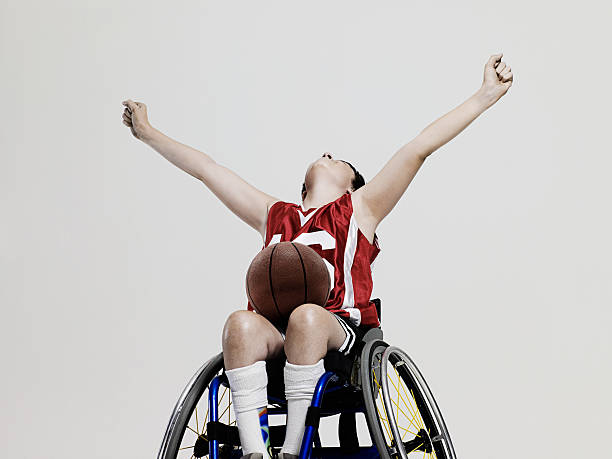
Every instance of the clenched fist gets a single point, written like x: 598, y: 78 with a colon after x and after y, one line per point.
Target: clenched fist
x: 135, y: 117
x: 497, y: 78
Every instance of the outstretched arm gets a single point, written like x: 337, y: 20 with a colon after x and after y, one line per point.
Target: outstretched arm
x: 379, y: 195
x: 247, y: 202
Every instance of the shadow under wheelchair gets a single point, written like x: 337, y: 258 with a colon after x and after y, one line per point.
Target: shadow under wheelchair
x: 380, y: 381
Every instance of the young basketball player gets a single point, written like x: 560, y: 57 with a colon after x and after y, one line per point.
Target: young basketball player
x: 338, y: 219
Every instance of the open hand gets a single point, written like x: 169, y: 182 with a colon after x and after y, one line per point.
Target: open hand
x: 135, y: 117
x: 497, y: 78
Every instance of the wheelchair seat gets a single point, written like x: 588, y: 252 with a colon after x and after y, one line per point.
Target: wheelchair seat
x: 353, y: 384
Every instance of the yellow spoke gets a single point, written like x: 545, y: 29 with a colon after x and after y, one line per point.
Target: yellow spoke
x: 410, y: 419
x: 406, y: 431
x: 420, y: 444
x: 407, y: 417
x: 400, y: 427
x: 375, y: 380
x: 206, y: 418
x: 385, y: 423
x: 380, y: 416
x: 197, y: 423
x: 222, y: 395
x: 419, y: 419
x: 187, y: 447
x: 221, y: 415
x: 424, y: 453
x: 409, y: 403
x: 194, y: 431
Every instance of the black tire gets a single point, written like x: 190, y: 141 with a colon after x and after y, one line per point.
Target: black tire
x: 185, y: 406
x: 432, y: 436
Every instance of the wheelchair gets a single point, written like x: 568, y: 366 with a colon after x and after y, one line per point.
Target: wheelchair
x: 380, y: 381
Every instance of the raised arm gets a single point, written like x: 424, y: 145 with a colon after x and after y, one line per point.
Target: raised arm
x: 377, y: 197
x: 247, y: 202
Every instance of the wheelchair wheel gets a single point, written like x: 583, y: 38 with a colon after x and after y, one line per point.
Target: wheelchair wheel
x: 186, y: 435
x: 403, y: 417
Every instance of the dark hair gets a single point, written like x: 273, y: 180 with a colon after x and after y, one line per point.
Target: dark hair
x: 357, y: 182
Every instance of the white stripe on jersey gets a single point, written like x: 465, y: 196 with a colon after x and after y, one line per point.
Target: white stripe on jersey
x: 349, y: 256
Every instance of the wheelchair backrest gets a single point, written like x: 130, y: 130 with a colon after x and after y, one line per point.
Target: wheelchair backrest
x: 377, y: 304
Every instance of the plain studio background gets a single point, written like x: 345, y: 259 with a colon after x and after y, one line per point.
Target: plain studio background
x: 118, y: 269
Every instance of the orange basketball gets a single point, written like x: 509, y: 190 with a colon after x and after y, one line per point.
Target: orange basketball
x: 284, y: 276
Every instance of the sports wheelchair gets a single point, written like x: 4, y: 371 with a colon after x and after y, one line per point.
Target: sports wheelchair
x: 381, y: 381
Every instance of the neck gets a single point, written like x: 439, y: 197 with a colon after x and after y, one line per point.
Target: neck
x: 319, y: 197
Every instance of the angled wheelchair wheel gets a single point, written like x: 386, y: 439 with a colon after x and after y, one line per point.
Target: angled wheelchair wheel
x: 403, y: 417
x: 186, y: 435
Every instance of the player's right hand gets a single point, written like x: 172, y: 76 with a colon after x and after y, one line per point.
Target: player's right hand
x: 135, y: 117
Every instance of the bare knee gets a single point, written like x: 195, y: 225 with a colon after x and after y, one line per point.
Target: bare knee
x: 307, y: 334
x: 239, y: 325
x: 306, y: 318
x: 247, y: 338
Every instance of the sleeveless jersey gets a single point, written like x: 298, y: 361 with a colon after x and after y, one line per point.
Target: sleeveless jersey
x: 332, y: 232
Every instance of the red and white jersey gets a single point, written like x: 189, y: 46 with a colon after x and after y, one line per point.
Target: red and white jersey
x: 331, y: 230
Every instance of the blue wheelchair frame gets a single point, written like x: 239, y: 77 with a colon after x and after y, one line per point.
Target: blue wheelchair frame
x: 311, y: 428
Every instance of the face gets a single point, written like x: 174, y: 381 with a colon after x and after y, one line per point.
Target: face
x: 336, y: 169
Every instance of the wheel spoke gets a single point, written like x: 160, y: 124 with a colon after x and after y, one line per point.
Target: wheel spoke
x: 224, y: 411
x: 378, y: 410
x: 197, y: 423
x: 416, y: 409
x: 385, y: 424
x: 414, y: 416
x: 409, y: 404
x: 409, y: 419
x: 205, y: 418
x: 222, y: 395
x: 413, y: 450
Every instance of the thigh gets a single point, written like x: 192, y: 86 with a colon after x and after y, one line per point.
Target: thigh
x: 313, y: 323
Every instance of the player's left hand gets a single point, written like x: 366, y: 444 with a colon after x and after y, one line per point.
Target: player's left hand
x: 497, y: 78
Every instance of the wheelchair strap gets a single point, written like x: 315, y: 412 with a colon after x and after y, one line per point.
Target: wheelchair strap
x: 229, y: 435
x: 223, y: 433
x: 313, y: 416
x: 347, y: 433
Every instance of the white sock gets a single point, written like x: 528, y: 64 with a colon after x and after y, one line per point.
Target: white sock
x: 300, y: 383
x: 250, y: 399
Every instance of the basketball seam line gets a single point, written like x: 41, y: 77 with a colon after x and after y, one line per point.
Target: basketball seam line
x: 271, y: 286
x: 304, y: 271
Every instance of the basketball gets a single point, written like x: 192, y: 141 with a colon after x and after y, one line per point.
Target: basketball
x: 284, y: 276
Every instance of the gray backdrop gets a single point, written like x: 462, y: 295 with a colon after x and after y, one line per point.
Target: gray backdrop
x: 118, y: 269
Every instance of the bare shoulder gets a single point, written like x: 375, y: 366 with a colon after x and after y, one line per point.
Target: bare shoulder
x: 366, y: 222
